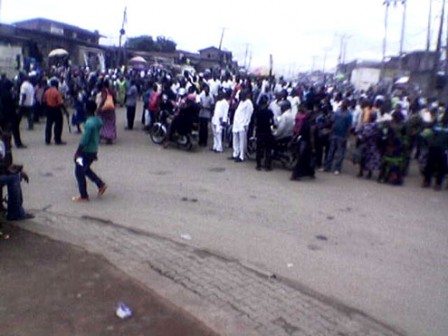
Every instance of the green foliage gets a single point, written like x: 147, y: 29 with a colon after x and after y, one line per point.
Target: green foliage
x: 146, y: 43
x: 165, y: 44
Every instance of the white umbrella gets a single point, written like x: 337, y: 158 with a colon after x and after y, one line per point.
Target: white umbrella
x: 58, y: 52
x: 402, y: 80
x: 188, y: 68
x: 137, y: 59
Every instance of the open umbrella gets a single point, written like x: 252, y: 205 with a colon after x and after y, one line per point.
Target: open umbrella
x: 260, y: 71
x: 137, y: 59
x: 58, y: 52
x: 187, y: 68
x: 402, y: 80
x: 138, y: 66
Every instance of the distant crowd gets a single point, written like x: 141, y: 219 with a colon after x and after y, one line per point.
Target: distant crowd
x: 313, y: 124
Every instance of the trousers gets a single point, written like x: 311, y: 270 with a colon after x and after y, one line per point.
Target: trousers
x: 239, y: 144
x: 83, y: 171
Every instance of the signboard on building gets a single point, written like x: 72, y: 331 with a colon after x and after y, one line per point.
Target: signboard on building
x: 363, y: 78
x: 11, y: 59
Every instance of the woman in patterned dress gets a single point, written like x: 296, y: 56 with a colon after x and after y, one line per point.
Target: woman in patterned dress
x: 371, y: 155
x: 106, y: 112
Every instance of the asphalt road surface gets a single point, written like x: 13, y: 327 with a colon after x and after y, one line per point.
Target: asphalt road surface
x: 380, y: 249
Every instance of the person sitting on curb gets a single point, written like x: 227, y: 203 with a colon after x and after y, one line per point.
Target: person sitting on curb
x: 87, y: 153
x: 11, y: 175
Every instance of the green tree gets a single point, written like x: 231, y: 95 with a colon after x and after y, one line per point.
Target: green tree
x: 143, y: 43
x: 165, y: 44
x: 146, y: 43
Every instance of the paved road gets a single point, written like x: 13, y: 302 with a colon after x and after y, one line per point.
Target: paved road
x: 62, y: 290
x: 380, y: 250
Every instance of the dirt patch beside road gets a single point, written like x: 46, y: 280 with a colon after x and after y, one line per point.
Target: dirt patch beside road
x: 51, y: 288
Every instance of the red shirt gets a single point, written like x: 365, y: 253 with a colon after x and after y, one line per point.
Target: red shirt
x: 53, y: 97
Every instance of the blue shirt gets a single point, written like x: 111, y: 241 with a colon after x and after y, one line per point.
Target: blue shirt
x: 342, y: 124
x: 132, y: 96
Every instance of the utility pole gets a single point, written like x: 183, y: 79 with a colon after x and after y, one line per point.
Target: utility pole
x: 343, y: 52
x: 341, y: 47
x: 222, y: 37
x: 250, y: 60
x: 428, y: 39
x: 121, y: 51
x: 386, y: 22
x: 403, y: 28
x: 439, y: 36
x: 446, y: 49
x: 326, y: 51
x: 439, y: 44
x: 245, y: 55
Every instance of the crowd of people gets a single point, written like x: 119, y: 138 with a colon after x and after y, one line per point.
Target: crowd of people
x: 316, y: 122
x: 388, y: 131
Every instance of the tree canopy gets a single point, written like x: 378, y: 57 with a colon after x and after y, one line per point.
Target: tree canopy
x: 147, y: 43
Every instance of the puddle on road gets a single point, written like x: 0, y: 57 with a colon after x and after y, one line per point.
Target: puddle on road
x: 330, y: 217
x: 47, y: 175
x: 322, y: 237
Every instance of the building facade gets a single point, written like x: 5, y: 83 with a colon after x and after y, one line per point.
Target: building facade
x: 28, y: 43
x: 36, y: 38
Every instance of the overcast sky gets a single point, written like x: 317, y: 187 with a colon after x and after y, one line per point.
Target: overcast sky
x: 298, y: 33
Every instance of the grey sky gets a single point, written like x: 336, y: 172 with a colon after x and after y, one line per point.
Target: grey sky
x: 296, y: 32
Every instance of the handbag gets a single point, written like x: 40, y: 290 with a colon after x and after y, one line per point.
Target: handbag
x: 108, y: 103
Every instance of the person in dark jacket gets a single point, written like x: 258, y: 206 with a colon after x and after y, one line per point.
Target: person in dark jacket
x: 264, y: 120
x: 436, y: 164
x: 304, y: 130
x: 10, y: 118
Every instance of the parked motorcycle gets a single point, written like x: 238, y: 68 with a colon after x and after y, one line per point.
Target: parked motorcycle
x: 284, y: 151
x: 159, y: 133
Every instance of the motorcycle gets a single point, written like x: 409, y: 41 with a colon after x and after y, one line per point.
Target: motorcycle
x: 284, y: 151
x: 159, y: 133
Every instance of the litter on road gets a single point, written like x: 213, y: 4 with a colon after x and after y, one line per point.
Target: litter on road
x: 123, y: 311
x: 185, y: 236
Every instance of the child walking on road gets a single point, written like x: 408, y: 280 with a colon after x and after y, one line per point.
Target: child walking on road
x: 87, y: 153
